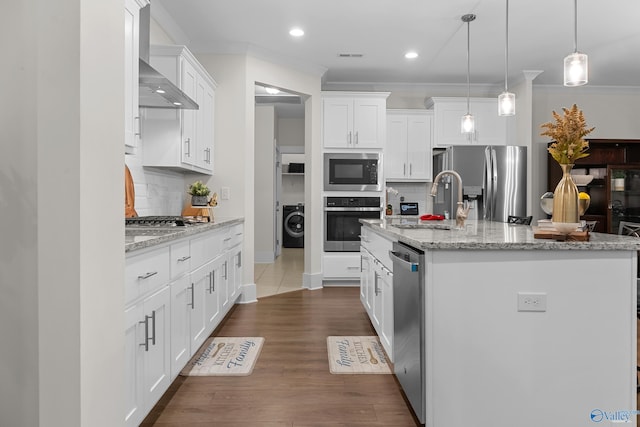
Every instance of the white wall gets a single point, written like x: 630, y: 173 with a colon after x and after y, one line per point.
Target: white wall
x: 236, y: 76
x: 62, y: 263
x: 291, y: 132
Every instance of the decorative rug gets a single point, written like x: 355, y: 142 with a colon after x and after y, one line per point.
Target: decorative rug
x: 357, y: 355
x: 225, y: 356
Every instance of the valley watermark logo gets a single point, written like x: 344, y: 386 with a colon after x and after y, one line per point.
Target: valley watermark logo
x: 598, y: 416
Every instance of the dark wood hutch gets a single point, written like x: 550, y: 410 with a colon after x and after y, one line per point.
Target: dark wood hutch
x: 609, y: 204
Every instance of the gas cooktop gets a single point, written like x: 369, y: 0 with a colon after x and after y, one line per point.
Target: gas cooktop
x: 160, y: 221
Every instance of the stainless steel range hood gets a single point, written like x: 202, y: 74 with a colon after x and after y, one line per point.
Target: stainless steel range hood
x: 156, y: 91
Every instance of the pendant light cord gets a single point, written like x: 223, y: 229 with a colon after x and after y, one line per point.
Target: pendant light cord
x: 575, y: 25
x: 506, y: 48
x: 468, y: 65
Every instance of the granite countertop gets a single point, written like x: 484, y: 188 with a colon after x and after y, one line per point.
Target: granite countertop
x: 136, y: 238
x: 487, y: 235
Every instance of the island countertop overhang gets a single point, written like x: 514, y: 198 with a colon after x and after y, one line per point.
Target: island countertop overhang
x: 488, y: 235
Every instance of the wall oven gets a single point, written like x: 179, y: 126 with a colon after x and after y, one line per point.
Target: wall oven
x: 352, y: 171
x: 342, y: 221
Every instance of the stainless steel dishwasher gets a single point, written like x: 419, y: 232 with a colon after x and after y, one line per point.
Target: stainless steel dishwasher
x: 408, y: 321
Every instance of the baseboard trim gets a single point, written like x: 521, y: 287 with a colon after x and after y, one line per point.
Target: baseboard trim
x: 248, y: 294
x: 264, y: 257
x: 312, y: 281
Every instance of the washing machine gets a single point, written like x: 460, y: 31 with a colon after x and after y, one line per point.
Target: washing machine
x: 293, y: 226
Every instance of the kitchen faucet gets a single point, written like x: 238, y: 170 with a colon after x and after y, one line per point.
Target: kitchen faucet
x: 461, y: 211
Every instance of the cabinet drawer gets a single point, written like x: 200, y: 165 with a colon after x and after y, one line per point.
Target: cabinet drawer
x: 180, y: 259
x: 234, y: 235
x: 206, y: 248
x: 378, y: 246
x: 345, y: 267
x: 146, y: 272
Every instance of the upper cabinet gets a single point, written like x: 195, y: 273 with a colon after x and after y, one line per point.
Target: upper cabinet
x: 181, y: 139
x: 407, y: 154
x: 131, y: 54
x: 491, y: 129
x: 353, y: 119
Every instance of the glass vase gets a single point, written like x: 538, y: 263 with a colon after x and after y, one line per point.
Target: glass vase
x: 565, y: 198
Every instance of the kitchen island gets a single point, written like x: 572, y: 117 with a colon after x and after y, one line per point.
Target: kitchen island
x: 521, y: 331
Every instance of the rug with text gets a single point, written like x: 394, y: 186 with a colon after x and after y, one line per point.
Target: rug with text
x: 224, y: 356
x: 357, y: 355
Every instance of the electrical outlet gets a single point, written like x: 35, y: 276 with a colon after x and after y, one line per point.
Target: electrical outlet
x: 532, y: 301
x: 225, y: 193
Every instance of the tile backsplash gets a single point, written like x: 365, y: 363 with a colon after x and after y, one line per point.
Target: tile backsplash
x: 412, y: 192
x: 158, y: 192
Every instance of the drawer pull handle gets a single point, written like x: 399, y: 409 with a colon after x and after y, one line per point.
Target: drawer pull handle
x: 351, y: 267
x: 184, y: 258
x: 146, y: 276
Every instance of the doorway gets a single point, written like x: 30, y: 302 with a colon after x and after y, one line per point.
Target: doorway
x: 279, y: 187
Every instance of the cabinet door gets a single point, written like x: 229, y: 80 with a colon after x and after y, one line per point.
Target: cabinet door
x: 235, y: 272
x: 224, y: 285
x: 212, y: 293
x: 205, y: 99
x: 180, y: 330
x: 337, y: 122
x: 447, y: 116
x: 419, y: 146
x: 157, y: 359
x: 386, y: 331
x: 188, y: 84
x: 395, y: 153
x: 376, y: 311
x: 369, y: 123
x: 133, y: 396
x: 491, y: 129
x: 200, y: 280
x: 365, y: 267
x: 131, y: 55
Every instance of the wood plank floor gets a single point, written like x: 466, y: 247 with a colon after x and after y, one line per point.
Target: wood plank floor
x: 291, y: 384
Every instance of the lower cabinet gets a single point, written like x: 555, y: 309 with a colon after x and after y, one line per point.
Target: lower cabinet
x: 172, y: 310
x: 376, y: 286
x: 147, y: 351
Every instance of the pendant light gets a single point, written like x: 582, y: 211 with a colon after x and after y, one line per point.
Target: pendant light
x: 576, y: 72
x: 467, y: 125
x: 506, y: 100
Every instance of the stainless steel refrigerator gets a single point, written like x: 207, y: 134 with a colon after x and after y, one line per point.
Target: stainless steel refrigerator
x: 494, y: 181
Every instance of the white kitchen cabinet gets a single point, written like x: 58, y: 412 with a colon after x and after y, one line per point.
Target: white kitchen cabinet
x: 365, y: 271
x: 407, y: 153
x: 131, y: 71
x: 386, y: 305
x: 181, y: 139
x: 341, y: 265
x: 175, y: 296
x: 147, y: 350
x: 491, y: 129
x: 353, y: 119
x: 376, y: 285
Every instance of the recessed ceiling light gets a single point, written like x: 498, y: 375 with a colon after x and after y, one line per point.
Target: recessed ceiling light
x: 411, y: 55
x: 296, y: 32
x: 160, y: 90
x: 177, y: 103
x: 271, y: 90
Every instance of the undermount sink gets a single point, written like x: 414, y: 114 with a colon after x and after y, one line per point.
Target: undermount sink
x: 434, y: 226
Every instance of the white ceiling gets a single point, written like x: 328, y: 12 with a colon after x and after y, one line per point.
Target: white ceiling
x: 540, y: 35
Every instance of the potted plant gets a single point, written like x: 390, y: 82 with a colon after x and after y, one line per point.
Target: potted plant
x: 199, y: 192
x: 617, y: 179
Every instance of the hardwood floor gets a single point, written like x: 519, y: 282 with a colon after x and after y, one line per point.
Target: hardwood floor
x: 291, y: 384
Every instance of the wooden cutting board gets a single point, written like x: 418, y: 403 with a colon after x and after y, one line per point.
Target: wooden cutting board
x: 550, y: 233
x: 129, y: 195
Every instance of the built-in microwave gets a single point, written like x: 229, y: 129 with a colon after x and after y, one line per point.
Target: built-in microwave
x: 352, y: 171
